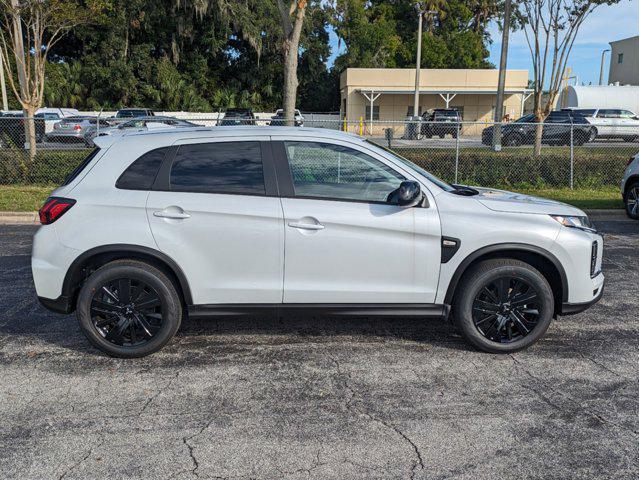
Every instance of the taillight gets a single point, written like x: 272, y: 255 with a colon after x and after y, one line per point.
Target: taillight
x: 77, y: 127
x: 54, y: 208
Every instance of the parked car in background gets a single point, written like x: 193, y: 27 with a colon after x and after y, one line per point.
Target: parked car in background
x: 441, y: 122
x: 630, y: 188
x: 76, y: 130
x: 277, y: 120
x: 190, y: 221
x: 238, y: 116
x: 12, y: 129
x: 53, y: 115
x: 134, y: 112
x: 556, y: 130
x: 141, y: 124
x: 611, y: 122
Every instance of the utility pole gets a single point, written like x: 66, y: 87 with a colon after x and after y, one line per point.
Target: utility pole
x: 420, y: 14
x: 499, y: 107
x: 603, y: 54
x: 3, y: 87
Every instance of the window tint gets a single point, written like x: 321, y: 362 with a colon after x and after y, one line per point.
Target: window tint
x: 331, y: 171
x: 222, y: 167
x: 141, y: 174
x: 627, y: 114
x: 608, y: 114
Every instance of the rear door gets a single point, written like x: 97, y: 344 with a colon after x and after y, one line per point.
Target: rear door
x: 343, y: 243
x: 606, y: 121
x: 219, y: 217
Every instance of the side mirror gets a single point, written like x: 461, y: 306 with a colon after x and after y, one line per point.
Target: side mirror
x: 408, y: 194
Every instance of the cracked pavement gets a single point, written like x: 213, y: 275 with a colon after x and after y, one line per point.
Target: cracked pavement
x: 321, y: 398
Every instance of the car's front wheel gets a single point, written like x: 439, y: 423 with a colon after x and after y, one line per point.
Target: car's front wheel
x: 503, y: 305
x: 129, y: 309
x: 631, y: 199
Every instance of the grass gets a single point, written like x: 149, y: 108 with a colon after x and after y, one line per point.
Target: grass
x: 29, y: 198
x: 23, y: 198
x: 602, y: 197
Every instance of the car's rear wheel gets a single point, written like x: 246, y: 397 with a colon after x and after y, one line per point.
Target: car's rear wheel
x: 129, y: 309
x: 512, y: 140
x: 631, y: 199
x: 503, y: 305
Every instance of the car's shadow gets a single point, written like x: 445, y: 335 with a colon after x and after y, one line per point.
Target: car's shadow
x: 36, y: 325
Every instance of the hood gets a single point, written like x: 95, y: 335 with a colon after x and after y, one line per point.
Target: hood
x: 504, y: 201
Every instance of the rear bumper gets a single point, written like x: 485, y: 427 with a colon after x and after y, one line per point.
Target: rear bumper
x: 574, y: 308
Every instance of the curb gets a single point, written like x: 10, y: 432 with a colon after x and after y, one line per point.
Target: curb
x: 19, y: 218
x: 603, y: 214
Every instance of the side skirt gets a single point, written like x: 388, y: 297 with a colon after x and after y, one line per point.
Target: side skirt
x: 339, y: 309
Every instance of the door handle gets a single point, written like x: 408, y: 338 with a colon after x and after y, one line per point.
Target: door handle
x: 307, y: 226
x: 174, y: 215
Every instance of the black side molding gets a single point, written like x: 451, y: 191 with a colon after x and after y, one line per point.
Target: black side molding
x: 450, y: 246
x: 339, y: 309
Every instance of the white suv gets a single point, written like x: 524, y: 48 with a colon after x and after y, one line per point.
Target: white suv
x: 248, y: 220
x: 611, y: 123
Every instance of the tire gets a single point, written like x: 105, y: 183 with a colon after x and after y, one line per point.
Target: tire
x: 631, y: 200
x: 512, y: 141
x: 472, y: 310
x: 133, y: 330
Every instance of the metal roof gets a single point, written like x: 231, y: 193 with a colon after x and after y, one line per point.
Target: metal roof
x: 443, y: 91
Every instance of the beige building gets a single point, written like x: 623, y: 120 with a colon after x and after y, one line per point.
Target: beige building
x: 387, y: 94
x: 624, y: 61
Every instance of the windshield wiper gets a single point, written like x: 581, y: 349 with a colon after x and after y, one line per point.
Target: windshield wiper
x: 464, y: 190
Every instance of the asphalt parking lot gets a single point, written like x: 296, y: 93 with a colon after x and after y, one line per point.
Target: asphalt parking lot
x: 322, y: 398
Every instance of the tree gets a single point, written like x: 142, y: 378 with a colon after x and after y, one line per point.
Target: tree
x: 380, y: 33
x: 551, y: 27
x: 292, y: 22
x: 30, y: 28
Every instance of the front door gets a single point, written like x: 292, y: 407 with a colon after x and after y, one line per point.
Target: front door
x: 220, y: 219
x: 343, y: 243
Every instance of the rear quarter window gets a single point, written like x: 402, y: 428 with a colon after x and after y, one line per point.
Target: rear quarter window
x: 141, y: 174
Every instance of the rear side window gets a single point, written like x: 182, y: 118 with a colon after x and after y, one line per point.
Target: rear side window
x: 83, y: 164
x: 222, y: 167
x: 141, y: 174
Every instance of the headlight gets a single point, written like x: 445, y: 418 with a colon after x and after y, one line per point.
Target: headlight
x: 582, y: 223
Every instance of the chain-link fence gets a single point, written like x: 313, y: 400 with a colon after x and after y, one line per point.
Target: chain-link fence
x: 572, y: 154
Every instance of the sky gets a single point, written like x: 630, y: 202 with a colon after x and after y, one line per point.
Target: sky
x: 605, y: 24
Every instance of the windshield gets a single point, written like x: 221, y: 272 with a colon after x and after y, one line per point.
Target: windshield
x: 526, y: 119
x: 437, y: 181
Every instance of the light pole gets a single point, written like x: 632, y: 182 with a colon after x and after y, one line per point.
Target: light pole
x: 420, y: 14
x: 499, y: 107
x: 603, y: 54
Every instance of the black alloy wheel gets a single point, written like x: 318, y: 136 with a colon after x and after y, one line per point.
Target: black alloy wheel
x: 503, y: 305
x: 506, y: 309
x: 129, y: 308
x: 126, y: 312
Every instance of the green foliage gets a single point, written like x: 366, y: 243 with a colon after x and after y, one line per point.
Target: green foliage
x: 383, y: 34
x: 208, y: 55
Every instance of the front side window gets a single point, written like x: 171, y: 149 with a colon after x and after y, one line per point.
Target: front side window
x: 222, y: 167
x: 322, y: 170
x: 141, y: 174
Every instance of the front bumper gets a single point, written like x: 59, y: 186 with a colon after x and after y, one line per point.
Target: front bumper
x: 574, y: 308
